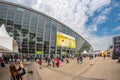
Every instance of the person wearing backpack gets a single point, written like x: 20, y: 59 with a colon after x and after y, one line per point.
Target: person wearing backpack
x: 15, y: 74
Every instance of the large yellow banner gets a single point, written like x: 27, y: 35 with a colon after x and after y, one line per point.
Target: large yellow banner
x: 64, y: 40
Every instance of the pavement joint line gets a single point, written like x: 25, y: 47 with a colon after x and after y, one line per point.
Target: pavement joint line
x: 91, y: 65
x: 38, y: 73
x: 85, y: 71
x: 29, y: 68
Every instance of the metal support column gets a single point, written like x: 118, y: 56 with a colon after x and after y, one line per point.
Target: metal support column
x: 61, y: 52
x: 50, y: 40
x: 43, y: 39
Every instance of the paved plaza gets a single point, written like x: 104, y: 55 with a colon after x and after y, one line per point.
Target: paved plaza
x: 96, y: 69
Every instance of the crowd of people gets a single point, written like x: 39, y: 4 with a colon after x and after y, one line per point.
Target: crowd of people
x: 56, y: 62
x: 51, y: 61
x: 16, y: 60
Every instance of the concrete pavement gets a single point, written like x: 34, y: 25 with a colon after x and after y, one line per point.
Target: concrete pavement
x: 107, y: 69
x: 96, y: 69
x: 5, y: 73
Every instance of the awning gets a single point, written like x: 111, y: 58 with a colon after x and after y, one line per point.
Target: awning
x: 3, y: 49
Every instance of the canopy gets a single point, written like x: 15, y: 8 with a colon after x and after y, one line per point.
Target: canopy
x: 3, y: 49
x: 3, y: 32
x: 7, y: 43
x: 84, y: 52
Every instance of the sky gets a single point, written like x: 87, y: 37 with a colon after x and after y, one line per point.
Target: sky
x: 98, y: 21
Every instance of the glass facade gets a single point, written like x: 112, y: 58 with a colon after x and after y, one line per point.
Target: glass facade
x: 35, y: 31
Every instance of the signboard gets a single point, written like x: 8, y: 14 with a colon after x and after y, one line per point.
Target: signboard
x: 117, y: 45
x: 116, y: 42
x: 63, y: 53
x: 39, y: 52
x: 64, y: 40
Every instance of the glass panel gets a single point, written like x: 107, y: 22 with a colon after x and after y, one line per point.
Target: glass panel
x: 85, y: 46
x: 3, y: 13
x: 18, y: 16
x: 25, y: 45
x: 25, y: 29
x: 26, y: 23
x: 17, y: 25
x: 32, y: 47
x: 47, y: 30
x: 39, y: 40
x: 38, y: 47
x: 32, y: 37
x: 46, y: 47
x: 10, y: 20
x: 34, y: 21
x: 25, y: 33
x: 40, y: 29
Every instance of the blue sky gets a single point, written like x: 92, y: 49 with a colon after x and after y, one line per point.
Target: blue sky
x: 98, y: 21
x: 108, y: 26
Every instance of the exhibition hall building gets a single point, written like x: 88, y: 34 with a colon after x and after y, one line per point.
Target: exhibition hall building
x: 39, y: 34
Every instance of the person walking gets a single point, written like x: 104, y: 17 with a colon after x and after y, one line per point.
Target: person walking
x: 49, y: 61
x: 15, y: 73
x: 2, y: 64
x: 81, y: 59
x: 53, y: 62
x: 58, y: 62
x: 40, y: 63
x: 104, y: 56
x: 78, y: 59
x: 67, y: 60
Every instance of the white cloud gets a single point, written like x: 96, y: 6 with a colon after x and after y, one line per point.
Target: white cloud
x: 29, y: 3
x: 106, y: 11
x: 97, y: 20
x: 97, y: 4
x: 117, y: 28
x: 101, y: 19
x: 118, y: 14
x: 101, y: 43
x: 92, y: 28
x: 73, y: 13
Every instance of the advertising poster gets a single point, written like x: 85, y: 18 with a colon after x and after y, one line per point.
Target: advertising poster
x: 64, y: 40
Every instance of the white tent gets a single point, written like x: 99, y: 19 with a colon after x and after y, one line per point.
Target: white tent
x: 7, y: 42
x: 84, y: 52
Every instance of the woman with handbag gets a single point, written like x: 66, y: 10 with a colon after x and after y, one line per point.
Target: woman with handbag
x: 15, y: 74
